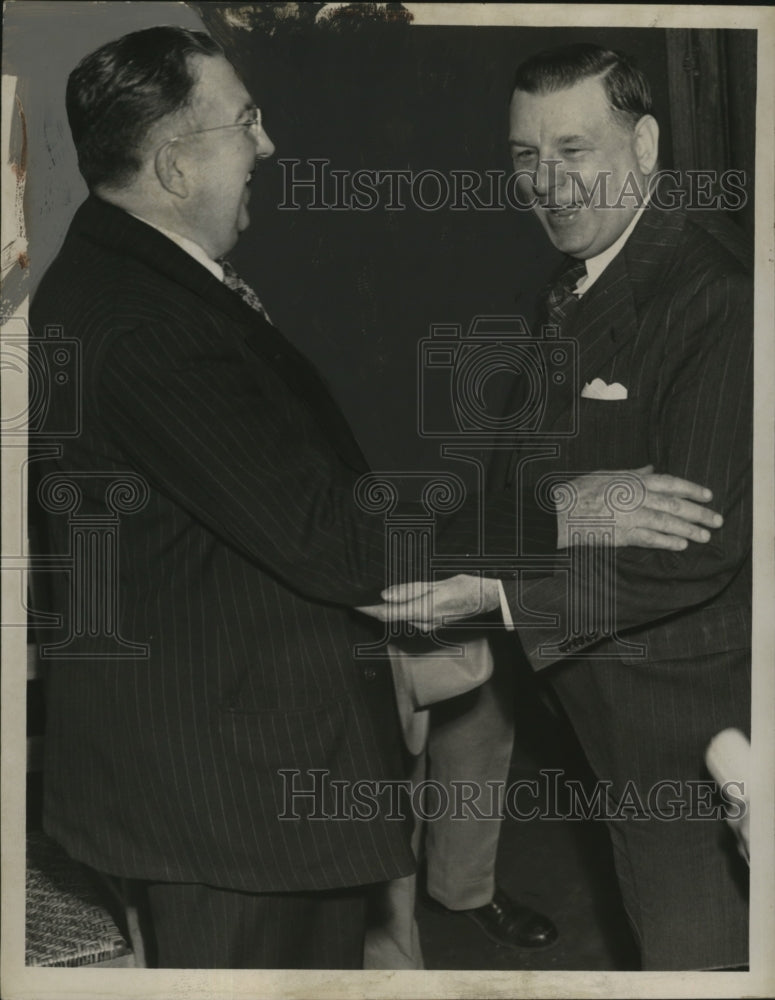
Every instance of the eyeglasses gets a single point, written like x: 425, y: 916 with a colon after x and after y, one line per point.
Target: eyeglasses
x: 254, y: 122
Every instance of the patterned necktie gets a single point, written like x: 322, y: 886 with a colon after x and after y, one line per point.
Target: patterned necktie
x: 232, y: 280
x: 560, y: 300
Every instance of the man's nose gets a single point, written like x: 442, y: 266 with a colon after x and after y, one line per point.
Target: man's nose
x: 264, y: 145
x: 548, y: 177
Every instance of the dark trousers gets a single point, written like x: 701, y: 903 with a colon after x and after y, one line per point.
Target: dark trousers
x: 199, y: 927
x: 645, y: 728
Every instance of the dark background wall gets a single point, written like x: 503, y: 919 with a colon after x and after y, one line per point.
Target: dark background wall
x: 358, y: 290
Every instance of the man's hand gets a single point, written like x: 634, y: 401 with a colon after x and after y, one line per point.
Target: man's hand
x: 432, y: 605
x: 669, y: 517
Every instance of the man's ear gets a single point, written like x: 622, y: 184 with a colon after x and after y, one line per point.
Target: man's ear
x: 647, y: 144
x: 170, y: 170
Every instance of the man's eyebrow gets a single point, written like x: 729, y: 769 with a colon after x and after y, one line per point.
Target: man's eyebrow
x: 561, y: 141
x: 247, y: 106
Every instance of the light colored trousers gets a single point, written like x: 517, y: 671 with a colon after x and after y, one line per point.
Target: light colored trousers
x: 469, y: 740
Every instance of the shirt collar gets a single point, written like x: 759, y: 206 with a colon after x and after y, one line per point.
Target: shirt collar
x: 596, y: 265
x: 191, y: 248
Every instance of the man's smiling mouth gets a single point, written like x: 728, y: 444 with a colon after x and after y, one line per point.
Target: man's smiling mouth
x: 562, y: 211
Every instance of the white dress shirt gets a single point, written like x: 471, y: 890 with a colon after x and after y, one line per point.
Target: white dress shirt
x: 596, y: 265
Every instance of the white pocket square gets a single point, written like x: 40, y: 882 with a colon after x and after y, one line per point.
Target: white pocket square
x: 598, y: 389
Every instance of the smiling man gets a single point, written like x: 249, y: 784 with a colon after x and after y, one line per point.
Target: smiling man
x: 650, y: 652
x: 236, y: 576
x: 659, y: 303
x: 583, y: 162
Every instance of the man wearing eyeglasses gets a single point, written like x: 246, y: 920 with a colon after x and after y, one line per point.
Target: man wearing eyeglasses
x: 221, y: 765
x: 234, y: 575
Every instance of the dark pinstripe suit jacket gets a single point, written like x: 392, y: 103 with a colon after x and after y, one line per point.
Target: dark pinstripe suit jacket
x: 237, y: 574
x: 670, y: 319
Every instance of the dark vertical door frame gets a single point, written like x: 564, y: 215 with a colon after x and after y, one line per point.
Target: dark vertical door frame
x: 712, y: 86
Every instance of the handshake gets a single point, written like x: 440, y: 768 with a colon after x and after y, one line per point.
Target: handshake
x: 670, y: 516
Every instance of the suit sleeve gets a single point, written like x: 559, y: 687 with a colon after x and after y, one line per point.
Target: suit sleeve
x: 701, y: 431
x: 226, y: 440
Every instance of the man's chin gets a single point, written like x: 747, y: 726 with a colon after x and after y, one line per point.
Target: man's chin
x: 581, y: 247
x: 227, y: 244
x: 567, y: 237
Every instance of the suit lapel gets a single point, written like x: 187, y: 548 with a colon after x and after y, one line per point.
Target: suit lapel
x: 114, y: 228
x: 610, y: 315
x: 605, y: 321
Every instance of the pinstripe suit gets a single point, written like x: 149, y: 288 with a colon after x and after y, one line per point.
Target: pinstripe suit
x: 236, y: 573
x: 670, y: 319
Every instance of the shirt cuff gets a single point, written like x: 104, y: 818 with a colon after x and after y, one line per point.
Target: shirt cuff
x: 508, y: 621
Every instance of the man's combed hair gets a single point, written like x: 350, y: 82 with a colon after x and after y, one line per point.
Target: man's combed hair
x: 115, y: 95
x: 557, y: 69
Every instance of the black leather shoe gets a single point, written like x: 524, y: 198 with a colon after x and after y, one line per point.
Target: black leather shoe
x: 505, y: 922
